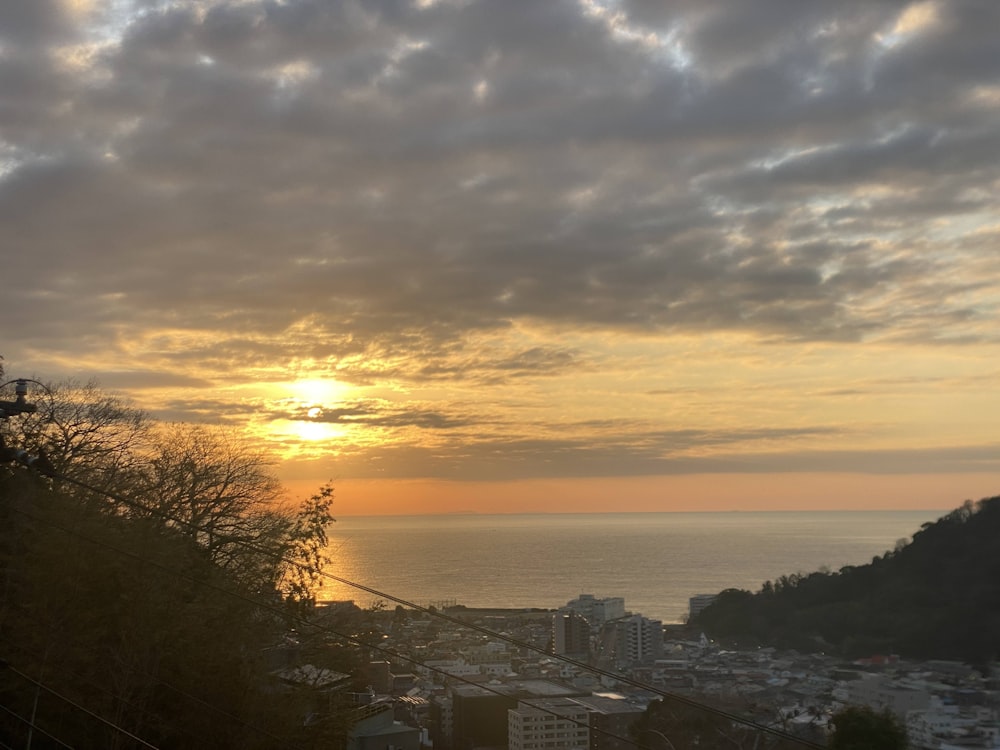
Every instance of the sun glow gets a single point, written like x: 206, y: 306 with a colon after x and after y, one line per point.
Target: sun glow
x: 316, y: 391
x: 312, y: 432
x: 303, y: 438
x: 306, y: 403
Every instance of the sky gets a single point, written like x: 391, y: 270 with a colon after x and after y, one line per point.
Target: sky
x: 509, y: 255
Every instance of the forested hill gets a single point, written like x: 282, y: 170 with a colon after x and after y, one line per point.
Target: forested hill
x: 157, y: 588
x: 936, y: 597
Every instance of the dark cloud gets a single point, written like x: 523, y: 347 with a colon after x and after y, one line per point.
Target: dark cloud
x: 30, y: 22
x: 139, y: 380
x: 343, y: 159
x: 664, y: 454
x: 370, y: 414
x: 423, y: 195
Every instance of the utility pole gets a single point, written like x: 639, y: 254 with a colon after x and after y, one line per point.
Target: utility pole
x: 20, y: 403
x: 9, y: 409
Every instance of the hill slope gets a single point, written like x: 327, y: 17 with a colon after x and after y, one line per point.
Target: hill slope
x: 937, y: 597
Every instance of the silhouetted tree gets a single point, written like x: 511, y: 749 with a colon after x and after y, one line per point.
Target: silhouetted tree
x: 673, y: 725
x: 862, y: 728
x: 936, y: 597
x: 86, y: 433
x: 153, y: 607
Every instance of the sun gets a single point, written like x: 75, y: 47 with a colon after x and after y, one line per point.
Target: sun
x: 317, y: 391
x: 314, y: 432
x: 306, y: 401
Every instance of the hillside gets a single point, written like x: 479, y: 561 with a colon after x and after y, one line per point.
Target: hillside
x: 155, y: 583
x: 936, y: 597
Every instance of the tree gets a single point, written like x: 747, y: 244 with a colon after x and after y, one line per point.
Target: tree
x: 674, y: 725
x: 934, y: 598
x: 210, y: 485
x: 86, y: 433
x: 129, y: 620
x: 303, y: 554
x: 862, y: 728
x: 152, y: 599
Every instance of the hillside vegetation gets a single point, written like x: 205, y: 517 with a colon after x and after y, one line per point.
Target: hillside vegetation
x: 153, y: 580
x: 936, y: 597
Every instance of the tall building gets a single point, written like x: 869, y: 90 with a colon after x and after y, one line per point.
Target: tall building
x: 611, y: 719
x: 595, y: 722
x: 635, y: 640
x: 570, y: 634
x: 607, y: 609
x: 542, y: 724
x: 698, y: 602
x: 598, y: 611
x: 479, y: 715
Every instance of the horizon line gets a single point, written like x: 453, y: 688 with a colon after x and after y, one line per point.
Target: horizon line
x: 645, y: 512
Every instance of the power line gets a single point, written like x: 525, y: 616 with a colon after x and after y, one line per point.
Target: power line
x: 34, y: 726
x: 722, y: 713
x: 193, y: 698
x: 316, y: 626
x: 582, y: 665
x: 77, y: 706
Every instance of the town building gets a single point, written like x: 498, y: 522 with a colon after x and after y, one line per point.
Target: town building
x: 698, y: 602
x: 570, y: 634
x: 633, y: 640
x: 479, y: 713
x: 598, y: 611
x: 881, y: 692
x: 544, y: 724
x: 375, y: 728
x: 611, y: 719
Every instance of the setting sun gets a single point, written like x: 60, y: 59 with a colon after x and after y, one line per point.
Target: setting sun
x: 679, y: 271
x: 302, y: 420
x: 313, y: 432
x: 316, y: 392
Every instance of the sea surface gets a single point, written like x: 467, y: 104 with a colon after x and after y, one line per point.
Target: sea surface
x: 656, y: 561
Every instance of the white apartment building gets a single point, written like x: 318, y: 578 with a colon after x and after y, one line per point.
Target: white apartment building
x: 941, y: 725
x: 698, y: 602
x: 548, y: 724
x: 881, y: 692
x: 598, y: 611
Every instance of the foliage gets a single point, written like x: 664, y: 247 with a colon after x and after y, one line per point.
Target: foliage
x: 673, y: 725
x: 937, y: 597
x: 862, y: 728
x: 305, y: 548
x: 157, y: 599
x: 126, y: 618
x: 204, y: 482
x: 86, y: 433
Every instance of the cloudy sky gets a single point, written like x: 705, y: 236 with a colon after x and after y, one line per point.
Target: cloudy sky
x: 510, y: 254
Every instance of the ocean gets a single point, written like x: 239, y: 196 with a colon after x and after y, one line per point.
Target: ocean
x: 656, y: 561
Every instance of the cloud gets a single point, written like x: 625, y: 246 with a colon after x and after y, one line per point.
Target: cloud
x: 410, y: 195
x: 258, y: 163
x: 663, y: 454
x: 369, y: 414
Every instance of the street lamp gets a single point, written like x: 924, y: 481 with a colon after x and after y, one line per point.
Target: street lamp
x: 663, y: 737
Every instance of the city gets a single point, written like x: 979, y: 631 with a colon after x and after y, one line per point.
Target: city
x: 582, y: 675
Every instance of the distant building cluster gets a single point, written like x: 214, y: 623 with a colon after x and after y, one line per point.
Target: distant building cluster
x: 466, y: 690
x: 600, y: 630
